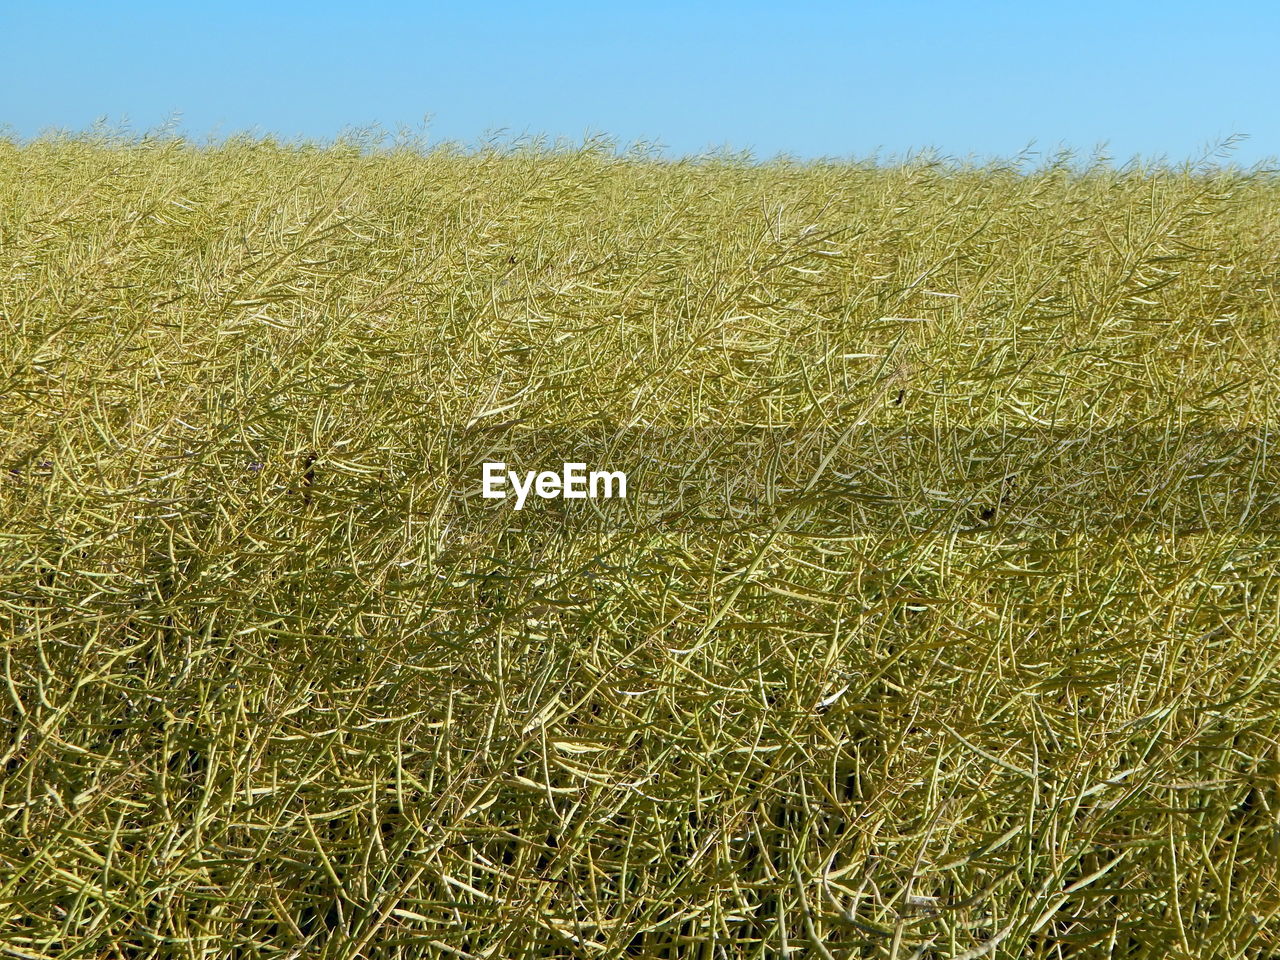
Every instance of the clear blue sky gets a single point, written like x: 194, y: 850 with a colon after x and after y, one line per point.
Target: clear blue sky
x: 805, y: 78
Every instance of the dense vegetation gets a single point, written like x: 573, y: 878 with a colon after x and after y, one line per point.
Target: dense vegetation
x: 941, y: 620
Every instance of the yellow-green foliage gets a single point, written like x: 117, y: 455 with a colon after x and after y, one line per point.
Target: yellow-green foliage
x: 942, y: 620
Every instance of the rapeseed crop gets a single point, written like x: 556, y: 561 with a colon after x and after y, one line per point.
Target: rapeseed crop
x: 939, y: 620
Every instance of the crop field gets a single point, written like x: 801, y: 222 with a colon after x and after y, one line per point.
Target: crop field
x: 941, y: 618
